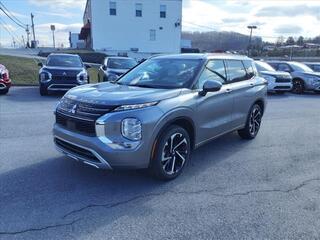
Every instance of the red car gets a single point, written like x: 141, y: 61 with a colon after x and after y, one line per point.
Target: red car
x: 5, y: 81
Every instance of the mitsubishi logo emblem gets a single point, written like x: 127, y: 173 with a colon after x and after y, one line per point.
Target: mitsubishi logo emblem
x: 74, y: 109
x: 64, y: 74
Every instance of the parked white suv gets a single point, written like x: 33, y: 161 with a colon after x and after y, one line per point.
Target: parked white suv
x: 278, y: 81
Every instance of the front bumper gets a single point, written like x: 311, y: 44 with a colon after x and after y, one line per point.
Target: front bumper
x: 108, y: 149
x: 275, y: 86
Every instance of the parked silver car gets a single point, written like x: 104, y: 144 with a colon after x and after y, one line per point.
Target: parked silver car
x: 157, y: 113
x: 113, y: 67
x: 278, y: 81
x: 303, y: 77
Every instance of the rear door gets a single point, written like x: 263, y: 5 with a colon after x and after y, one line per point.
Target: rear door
x: 214, y: 110
x: 241, y: 81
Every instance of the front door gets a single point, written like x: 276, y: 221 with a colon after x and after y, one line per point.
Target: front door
x: 214, y: 110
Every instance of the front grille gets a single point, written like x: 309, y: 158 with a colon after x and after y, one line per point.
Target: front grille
x: 75, y: 124
x: 80, y: 116
x: 282, y: 87
x: 283, y: 80
x: 64, y: 78
x: 84, y: 153
x: 83, y: 110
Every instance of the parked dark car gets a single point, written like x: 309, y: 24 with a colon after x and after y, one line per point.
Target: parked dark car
x: 113, y: 67
x: 62, y: 72
x: 278, y: 81
x: 315, y: 66
x: 5, y: 81
x: 303, y: 77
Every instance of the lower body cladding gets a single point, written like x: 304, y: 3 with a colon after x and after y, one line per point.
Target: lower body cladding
x: 108, y: 151
x: 279, y: 87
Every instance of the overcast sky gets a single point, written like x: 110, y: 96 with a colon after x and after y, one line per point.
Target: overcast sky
x: 274, y: 18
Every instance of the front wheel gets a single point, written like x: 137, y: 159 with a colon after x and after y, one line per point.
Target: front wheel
x: 253, y: 123
x: 297, y: 86
x: 4, y: 91
x: 172, y: 152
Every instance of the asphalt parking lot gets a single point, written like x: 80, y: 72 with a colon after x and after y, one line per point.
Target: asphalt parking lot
x: 268, y: 188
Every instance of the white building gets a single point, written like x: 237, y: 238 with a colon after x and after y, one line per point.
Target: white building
x: 75, y: 42
x: 136, y: 28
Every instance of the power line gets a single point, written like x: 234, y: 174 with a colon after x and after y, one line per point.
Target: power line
x: 12, y: 15
x: 19, y: 24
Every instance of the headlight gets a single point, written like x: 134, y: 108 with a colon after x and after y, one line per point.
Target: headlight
x: 45, y: 76
x: 112, y: 77
x: 269, y: 78
x: 134, y: 106
x: 82, y: 76
x: 131, y: 129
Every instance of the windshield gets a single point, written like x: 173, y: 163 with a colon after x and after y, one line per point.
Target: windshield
x: 263, y: 66
x: 300, y: 67
x: 64, y: 61
x: 121, y: 63
x: 163, y: 73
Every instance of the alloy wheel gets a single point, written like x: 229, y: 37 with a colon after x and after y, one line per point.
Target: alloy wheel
x: 174, y: 153
x: 297, y: 86
x: 255, y: 120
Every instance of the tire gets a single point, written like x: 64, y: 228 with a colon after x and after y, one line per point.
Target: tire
x: 298, y: 86
x: 4, y: 91
x: 253, y: 123
x: 169, y: 160
x: 43, y: 91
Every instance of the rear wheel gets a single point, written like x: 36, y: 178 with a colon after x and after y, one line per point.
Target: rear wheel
x: 253, y: 123
x: 298, y: 86
x: 172, y: 152
x: 43, y: 91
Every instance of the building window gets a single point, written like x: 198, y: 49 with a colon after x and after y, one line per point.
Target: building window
x: 113, y: 8
x: 152, y: 35
x: 138, y: 9
x: 163, y: 11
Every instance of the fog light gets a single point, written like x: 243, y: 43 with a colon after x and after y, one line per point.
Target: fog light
x: 131, y: 129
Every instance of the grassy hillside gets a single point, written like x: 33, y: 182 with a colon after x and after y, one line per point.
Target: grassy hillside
x: 24, y: 71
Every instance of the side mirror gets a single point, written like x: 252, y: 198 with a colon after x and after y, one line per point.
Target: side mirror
x: 40, y: 64
x: 104, y: 67
x: 210, y: 86
x: 87, y: 66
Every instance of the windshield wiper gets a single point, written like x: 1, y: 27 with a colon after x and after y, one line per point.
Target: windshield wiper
x: 143, y: 85
x: 218, y: 74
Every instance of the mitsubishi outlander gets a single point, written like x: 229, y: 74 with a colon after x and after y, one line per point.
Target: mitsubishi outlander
x: 157, y: 113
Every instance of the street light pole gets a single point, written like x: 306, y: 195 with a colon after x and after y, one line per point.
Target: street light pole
x: 251, y: 27
x: 53, y: 28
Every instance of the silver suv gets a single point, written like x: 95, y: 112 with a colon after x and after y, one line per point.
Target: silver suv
x: 303, y: 77
x: 159, y: 111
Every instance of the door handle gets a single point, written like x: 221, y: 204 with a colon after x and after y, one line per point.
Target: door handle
x: 228, y: 90
x: 251, y: 84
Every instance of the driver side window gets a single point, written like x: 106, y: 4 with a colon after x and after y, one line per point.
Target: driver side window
x: 214, y: 70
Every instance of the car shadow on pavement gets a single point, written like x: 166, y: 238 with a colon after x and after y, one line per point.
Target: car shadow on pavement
x: 31, y: 94
x: 60, y: 191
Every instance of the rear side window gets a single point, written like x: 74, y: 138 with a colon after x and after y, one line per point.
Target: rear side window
x: 214, y: 70
x: 250, y: 68
x: 236, y: 71
x: 284, y: 67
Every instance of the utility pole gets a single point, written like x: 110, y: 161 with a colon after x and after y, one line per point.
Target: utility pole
x: 53, y: 28
x: 28, y: 36
x: 24, y: 44
x: 32, y: 26
x: 14, y: 43
x: 250, y: 38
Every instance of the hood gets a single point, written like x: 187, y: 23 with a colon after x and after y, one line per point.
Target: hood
x: 115, y: 95
x: 277, y: 74
x: 62, y: 71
